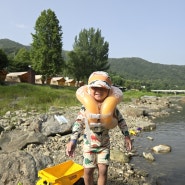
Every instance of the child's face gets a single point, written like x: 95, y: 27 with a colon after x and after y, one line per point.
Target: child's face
x: 99, y: 93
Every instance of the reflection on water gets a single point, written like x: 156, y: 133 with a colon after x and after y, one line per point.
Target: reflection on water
x: 167, y: 169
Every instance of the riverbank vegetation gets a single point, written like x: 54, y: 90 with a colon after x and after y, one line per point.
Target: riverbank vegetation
x: 42, y: 97
x: 35, y: 97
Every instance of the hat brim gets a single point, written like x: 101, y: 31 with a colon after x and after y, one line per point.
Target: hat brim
x: 99, y: 83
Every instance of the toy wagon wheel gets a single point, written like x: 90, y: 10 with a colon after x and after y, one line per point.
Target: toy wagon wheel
x: 42, y: 182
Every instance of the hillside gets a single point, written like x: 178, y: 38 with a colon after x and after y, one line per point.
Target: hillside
x: 139, y: 69
x: 11, y: 47
x: 134, y: 69
x: 6, y: 43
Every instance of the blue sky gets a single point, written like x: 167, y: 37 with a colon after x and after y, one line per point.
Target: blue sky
x: 150, y: 29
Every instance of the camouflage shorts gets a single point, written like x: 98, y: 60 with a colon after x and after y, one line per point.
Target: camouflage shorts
x: 94, y: 157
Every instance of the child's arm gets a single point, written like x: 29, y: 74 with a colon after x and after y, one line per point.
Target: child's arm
x: 76, y: 132
x: 124, y: 129
x: 70, y: 148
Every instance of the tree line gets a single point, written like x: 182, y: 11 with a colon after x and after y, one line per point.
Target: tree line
x: 46, y: 56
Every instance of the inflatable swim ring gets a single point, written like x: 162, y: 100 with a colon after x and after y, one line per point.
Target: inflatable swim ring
x: 105, y: 114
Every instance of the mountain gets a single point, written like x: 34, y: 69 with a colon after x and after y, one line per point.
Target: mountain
x: 6, y: 43
x: 172, y: 76
x: 11, y: 47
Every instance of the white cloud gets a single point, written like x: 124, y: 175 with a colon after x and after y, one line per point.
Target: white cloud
x: 21, y: 26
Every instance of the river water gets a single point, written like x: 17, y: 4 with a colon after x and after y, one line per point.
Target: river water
x: 169, y: 168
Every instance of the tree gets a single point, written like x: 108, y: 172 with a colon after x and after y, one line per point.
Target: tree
x: 3, y: 60
x: 90, y: 53
x: 117, y: 80
x: 46, y: 50
x: 77, y: 65
x: 22, y: 60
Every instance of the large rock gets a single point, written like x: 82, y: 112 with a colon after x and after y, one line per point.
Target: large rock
x: 161, y: 149
x: 19, y: 139
x: 148, y: 156
x: 147, y: 126
x: 20, y: 167
x: 119, y: 156
x: 51, y: 126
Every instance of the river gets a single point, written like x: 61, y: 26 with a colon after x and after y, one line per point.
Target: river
x: 169, y: 168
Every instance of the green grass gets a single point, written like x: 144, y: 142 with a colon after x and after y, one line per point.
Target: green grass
x: 41, y: 97
x: 37, y: 97
x: 130, y: 95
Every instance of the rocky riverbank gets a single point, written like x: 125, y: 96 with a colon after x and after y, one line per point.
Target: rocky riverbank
x: 30, y: 141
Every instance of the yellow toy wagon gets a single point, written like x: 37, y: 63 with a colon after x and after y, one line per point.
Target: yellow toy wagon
x: 66, y: 173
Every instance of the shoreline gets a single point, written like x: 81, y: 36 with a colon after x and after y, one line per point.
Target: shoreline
x: 37, y: 140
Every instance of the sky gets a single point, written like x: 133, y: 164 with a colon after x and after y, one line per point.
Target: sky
x: 153, y: 30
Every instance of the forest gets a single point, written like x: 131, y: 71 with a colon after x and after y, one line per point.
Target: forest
x: 131, y: 73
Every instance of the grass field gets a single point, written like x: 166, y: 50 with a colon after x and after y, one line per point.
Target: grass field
x: 41, y: 97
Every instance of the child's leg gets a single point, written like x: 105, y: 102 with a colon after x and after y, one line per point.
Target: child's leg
x: 89, y: 163
x: 102, y: 174
x: 88, y: 176
x: 103, y: 158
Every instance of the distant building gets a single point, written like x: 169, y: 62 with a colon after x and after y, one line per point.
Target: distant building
x: 31, y: 76
x: 58, y: 81
x: 3, y: 74
x: 70, y: 82
x: 17, y: 77
x: 38, y: 79
x: 79, y: 83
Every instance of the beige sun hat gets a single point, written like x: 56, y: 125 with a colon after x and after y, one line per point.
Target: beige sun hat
x: 100, y: 79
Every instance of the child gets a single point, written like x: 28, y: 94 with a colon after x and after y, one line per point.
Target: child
x: 97, y: 115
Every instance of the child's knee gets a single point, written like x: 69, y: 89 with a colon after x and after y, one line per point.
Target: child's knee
x: 88, y: 171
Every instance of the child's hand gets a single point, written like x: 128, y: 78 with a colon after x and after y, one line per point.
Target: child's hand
x: 128, y: 143
x: 70, y: 148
